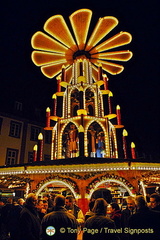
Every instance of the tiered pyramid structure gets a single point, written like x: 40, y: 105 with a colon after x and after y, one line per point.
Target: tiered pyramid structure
x: 83, y: 121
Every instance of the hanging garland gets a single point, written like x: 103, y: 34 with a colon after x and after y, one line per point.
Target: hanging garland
x: 13, y: 181
x: 73, y: 175
x: 77, y: 176
x: 107, y: 177
x: 52, y: 178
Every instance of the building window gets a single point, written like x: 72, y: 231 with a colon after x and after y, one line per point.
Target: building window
x: 1, y: 120
x: 34, y: 133
x: 18, y: 106
x: 12, y: 156
x: 48, y: 137
x: 15, y: 129
x: 30, y: 157
x: 47, y: 157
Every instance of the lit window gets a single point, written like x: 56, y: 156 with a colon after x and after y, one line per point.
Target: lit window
x: 12, y: 156
x: 15, y: 129
x: 34, y: 133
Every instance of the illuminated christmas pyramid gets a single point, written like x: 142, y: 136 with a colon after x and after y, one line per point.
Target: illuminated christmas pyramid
x: 82, y: 121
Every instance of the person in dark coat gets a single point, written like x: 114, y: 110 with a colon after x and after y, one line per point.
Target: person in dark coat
x: 45, y: 206
x: 130, y: 210
x: 126, y: 213
x: 145, y: 221
x: 4, y: 234
x: 90, y: 213
x: 74, y: 209
x: 99, y: 226
x: 116, y: 214
x: 13, y: 221
x: 1, y: 206
x: 30, y: 223
x: 41, y: 211
x: 155, y: 202
x: 59, y: 224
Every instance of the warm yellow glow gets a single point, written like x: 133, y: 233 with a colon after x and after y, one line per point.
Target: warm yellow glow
x: 118, y: 107
x: 105, y: 167
x: 68, y: 73
x: 51, y: 70
x: 118, y: 40
x: 51, y: 55
x: 48, y: 109
x: 99, y: 83
x: 116, y: 56
x: 112, y: 68
x: 58, y: 78
x: 64, y: 84
x: 40, y: 136
x: 94, y: 73
x: 132, y: 145
x: 81, y: 79
x: 60, y: 94
x: 104, y: 92
x: 119, y: 126
x: 103, y: 27
x: 57, y: 27
x: 80, y: 21
x: 110, y: 94
x: 110, y: 116
x: 35, y: 148
x: 41, y: 58
x: 125, y: 133
x: 81, y: 128
x: 54, y: 118
x: 81, y: 111
x: 81, y: 89
x: 43, y: 42
x: 115, y: 143
x: 54, y: 96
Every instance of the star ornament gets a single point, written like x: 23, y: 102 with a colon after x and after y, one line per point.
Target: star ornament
x: 58, y: 47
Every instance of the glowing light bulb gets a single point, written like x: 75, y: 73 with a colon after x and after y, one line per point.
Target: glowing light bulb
x: 40, y: 136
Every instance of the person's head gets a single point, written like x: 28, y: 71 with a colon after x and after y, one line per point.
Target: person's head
x: 72, y: 126
x: 100, y: 206
x: 14, y: 202
x: 130, y: 203
x: 31, y: 200
x: 69, y: 201
x: 154, y: 200
x: 59, y: 201
x: 114, y: 207
x: 9, y: 200
x: 1, y: 203
x: 45, y: 204
x: 21, y: 201
x: 140, y: 202
x: 39, y: 205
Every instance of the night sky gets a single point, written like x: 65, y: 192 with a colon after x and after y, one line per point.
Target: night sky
x: 136, y: 89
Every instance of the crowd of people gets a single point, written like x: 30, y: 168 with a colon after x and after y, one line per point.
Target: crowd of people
x: 44, y: 219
